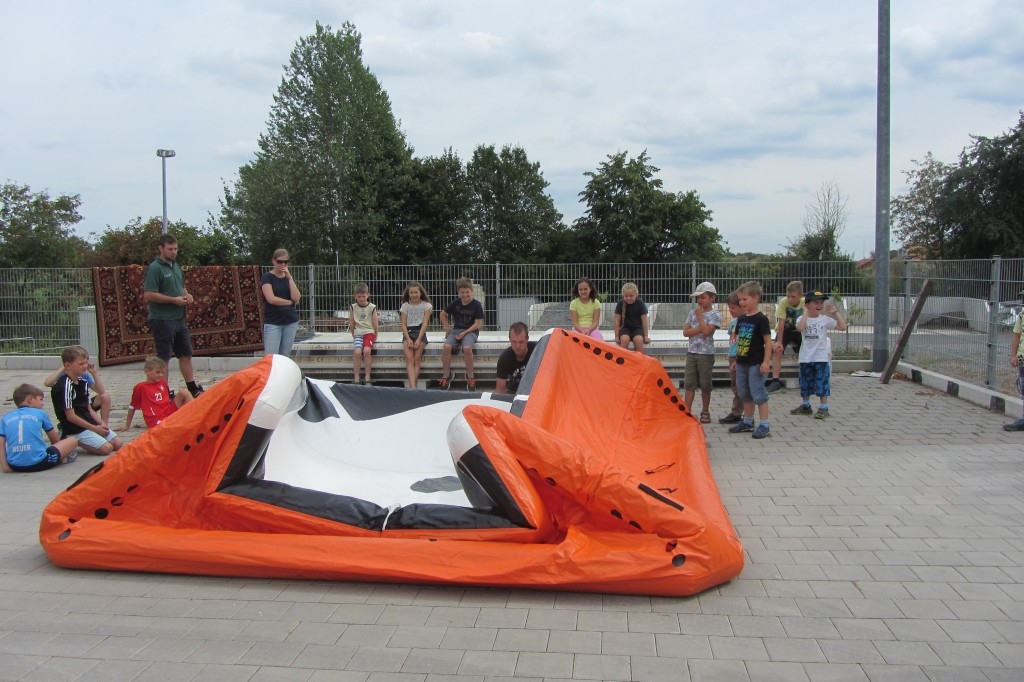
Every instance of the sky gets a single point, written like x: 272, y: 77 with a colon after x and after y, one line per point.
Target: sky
x: 754, y: 105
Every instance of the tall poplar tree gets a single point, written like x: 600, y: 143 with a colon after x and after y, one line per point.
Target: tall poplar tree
x: 332, y: 168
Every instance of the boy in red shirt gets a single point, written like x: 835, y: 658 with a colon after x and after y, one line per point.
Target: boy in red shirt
x: 153, y: 397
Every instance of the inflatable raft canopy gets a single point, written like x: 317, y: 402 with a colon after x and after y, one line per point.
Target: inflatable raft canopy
x: 594, y: 478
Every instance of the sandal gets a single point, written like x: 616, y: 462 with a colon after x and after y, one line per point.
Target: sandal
x: 705, y: 418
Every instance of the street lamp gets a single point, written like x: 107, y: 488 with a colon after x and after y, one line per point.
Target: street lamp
x: 165, y: 154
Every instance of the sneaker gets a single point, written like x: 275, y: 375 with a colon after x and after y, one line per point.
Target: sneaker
x: 730, y: 419
x: 72, y: 457
x: 1014, y: 426
x: 742, y: 427
x: 773, y: 386
x: 197, y: 391
x: 821, y: 414
x: 803, y: 409
x: 444, y: 383
x: 762, y: 431
x: 471, y: 383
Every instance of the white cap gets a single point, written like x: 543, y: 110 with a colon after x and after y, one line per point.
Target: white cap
x: 705, y: 288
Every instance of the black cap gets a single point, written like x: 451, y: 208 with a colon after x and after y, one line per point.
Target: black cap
x: 816, y: 296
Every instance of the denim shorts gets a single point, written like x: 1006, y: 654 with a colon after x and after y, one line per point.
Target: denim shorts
x: 750, y: 384
x: 469, y: 340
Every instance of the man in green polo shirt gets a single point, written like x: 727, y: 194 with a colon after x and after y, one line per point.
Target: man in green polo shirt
x: 167, y: 298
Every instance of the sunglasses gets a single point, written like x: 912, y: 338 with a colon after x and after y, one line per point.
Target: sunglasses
x: 282, y: 262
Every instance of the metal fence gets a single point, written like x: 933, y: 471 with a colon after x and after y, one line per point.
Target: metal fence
x: 964, y: 331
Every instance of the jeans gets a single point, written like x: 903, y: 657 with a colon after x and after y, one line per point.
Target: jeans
x: 750, y: 384
x: 279, y: 338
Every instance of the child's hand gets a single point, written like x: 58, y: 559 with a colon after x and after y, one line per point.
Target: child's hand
x: 647, y: 340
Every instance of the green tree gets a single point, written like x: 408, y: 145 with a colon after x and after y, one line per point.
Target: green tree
x: 509, y: 216
x: 631, y: 219
x: 333, y: 170
x: 440, y: 207
x: 135, y: 243
x: 36, y: 231
x: 971, y: 209
x: 824, y: 223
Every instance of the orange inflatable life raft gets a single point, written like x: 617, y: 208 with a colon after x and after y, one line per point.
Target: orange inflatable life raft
x: 593, y: 478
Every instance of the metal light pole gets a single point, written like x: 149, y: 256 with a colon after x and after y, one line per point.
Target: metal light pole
x: 165, y: 154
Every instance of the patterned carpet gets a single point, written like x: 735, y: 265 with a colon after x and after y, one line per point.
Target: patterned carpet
x: 227, y: 316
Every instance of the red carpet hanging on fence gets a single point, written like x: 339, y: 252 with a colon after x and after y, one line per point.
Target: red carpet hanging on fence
x: 227, y: 316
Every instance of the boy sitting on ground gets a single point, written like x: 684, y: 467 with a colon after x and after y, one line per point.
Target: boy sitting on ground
x: 70, y: 397
x: 153, y: 397
x: 22, y: 447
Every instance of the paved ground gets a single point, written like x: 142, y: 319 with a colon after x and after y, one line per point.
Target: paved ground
x: 886, y: 543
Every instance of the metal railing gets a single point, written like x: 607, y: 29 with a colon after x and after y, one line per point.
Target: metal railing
x: 964, y: 331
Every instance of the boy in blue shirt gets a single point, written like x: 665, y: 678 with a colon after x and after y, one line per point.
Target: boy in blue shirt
x: 22, y: 447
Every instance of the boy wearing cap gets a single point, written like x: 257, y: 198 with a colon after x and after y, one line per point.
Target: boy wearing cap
x: 814, y: 351
x: 701, y: 324
x: 1017, y: 361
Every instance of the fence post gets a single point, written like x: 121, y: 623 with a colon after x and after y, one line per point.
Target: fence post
x: 908, y: 283
x: 497, y: 291
x: 312, y: 297
x: 993, y: 311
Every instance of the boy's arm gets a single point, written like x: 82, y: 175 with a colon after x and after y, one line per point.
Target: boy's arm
x: 352, y: 320
x: 376, y: 320
x: 72, y: 418
x: 801, y: 324
x: 97, y: 383
x: 128, y: 419
x: 840, y: 320
x: 767, y: 362
x: 53, y: 436
x: 51, y: 379
x: 3, y: 457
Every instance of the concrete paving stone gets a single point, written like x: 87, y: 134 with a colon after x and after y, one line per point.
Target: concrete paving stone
x: 574, y: 642
x: 909, y: 653
x: 350, y: 613
x: 400, y: 614
x: 808, y: 572
x: 530, y: 599
x: 773, y: 606
x: 774, y: 671
x: 476, y: 639
x: 628, y: 643
x: 432, y: 661
x: 114, y: 671
x: 756, y: 626
x: 410, y: 636
x: 924, y: 608
x: 367, y: 635
x: 604, y: 621
x: 266, y: 631
x: 738, y: 648
x: 787, y: 588
x: 553, y: 619
x: 978, y: 610
x: 515, y: 639
x: 843, y: 651
x: 895, y: 673
x: 582, y: 601
x: 60, y: 668
x: 1009, y: 655
x: 955, y: 674
x: 832, y: 589
x: 495, y: 617
x: 1004, y: 674
x: 311, y: 612
x: 600, y: 667
x: 477, y: 662
x: 268, y: 673
x: 271, y: 653
x: 163, y: 671
x: 172, y: 627
x: 217, y: 628
x: 543, y: 664
x: 317, y: 656
x: 969, y: 630
x: 653, y: 622
x: 965, y: 654
x: 823, y: 608
x: 724, y: 606
x: 213, y: 672
x: 1012, y: 632
x: 444, y: 616
x: 873, y: 629
x: 338, y: 676
x: 651, y: 669
x: 683, y: 646
x: 716, y: 671
x: 168, y: 650
x: 793, y: 650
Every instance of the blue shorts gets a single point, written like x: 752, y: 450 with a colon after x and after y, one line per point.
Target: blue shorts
x: 750, y: 384
x: 814, y: 379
